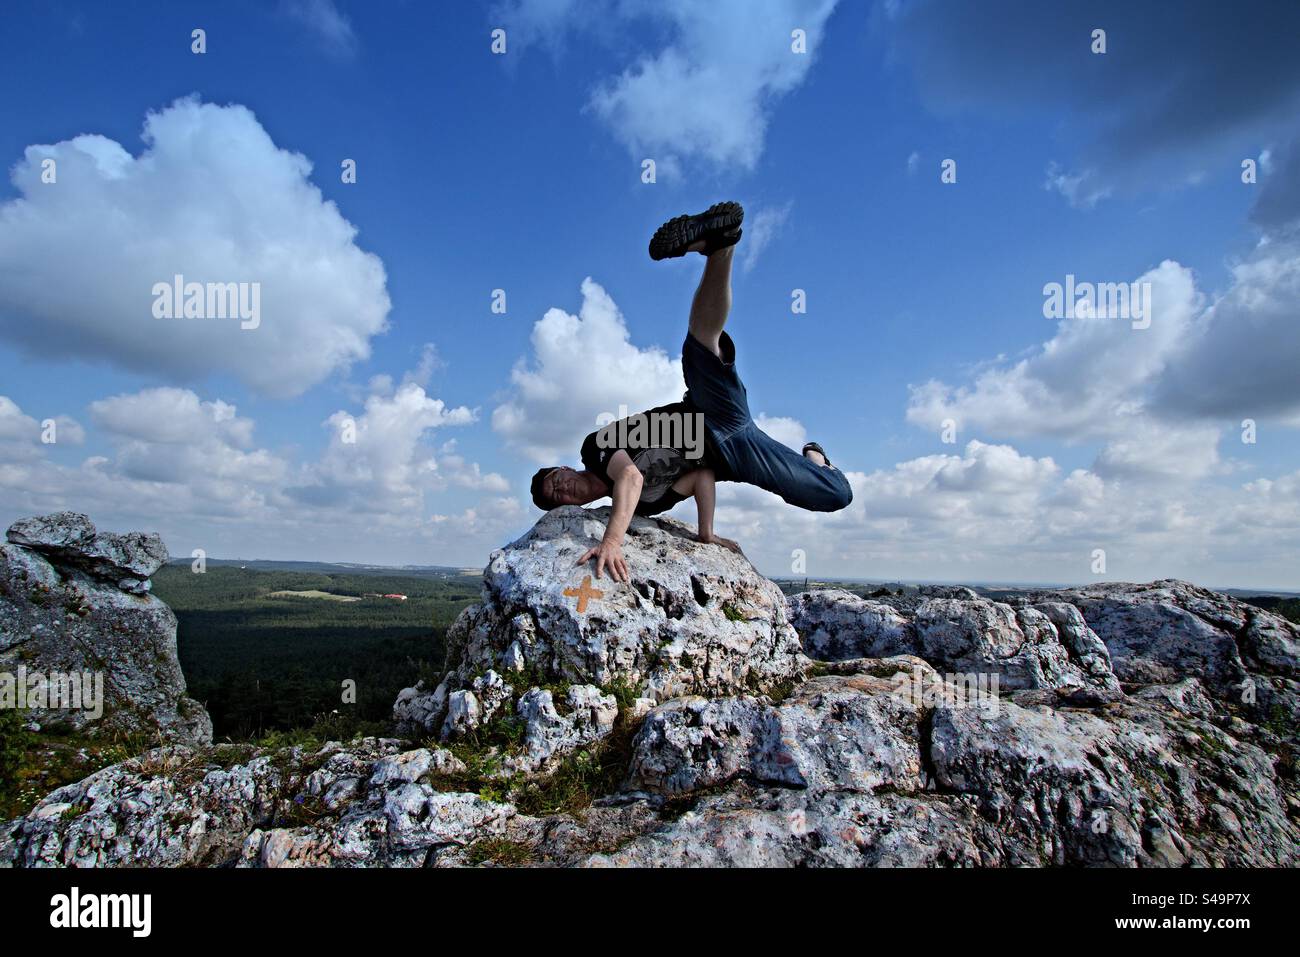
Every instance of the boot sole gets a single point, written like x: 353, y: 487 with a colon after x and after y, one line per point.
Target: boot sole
x: 673, y: 237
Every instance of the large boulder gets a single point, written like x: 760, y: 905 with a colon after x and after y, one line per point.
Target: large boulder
x: 1042, y: 646
x: 1166, y: 630
x: 69, y: 538
x: 835, y: 625
x: 851, y: 732
x: 871, y: 767
x: 1023, y: 646
x: 1134, y: 785
x: 79, y: 631
x: 1162, y: 632
x: 696, y: 619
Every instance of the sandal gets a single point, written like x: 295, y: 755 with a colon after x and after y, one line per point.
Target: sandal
x: 816, y: 448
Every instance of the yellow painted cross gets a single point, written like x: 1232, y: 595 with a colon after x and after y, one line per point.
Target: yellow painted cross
x: 584, y: 592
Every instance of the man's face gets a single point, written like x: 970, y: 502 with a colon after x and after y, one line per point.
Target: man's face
x: 564, y: 486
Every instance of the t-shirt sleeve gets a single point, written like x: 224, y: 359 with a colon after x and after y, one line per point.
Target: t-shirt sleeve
x: 594, y: 458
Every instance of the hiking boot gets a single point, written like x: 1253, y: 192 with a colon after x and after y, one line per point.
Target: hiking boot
x: 718, y: 226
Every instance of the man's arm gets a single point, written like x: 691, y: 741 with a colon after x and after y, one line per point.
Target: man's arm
x: 705, y: 492
x: 627, y: 492
x: 702, y: 483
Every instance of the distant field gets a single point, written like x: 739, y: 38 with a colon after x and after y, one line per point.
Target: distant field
x: 339, y: 568
x: 270, y: 649
x: 311, y: 594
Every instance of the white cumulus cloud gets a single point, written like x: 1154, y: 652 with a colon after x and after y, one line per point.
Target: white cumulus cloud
x: 582, y: 366
x: 1241, y: 357
x: 784, y: 429
x: 379, y: 461
x: 213, y: 199
x: 708, y: 91
x: 171, y: 435
x: 21, y: 435
x: 1076, y: 385
x: 1158, y: 398
x: 193, y: 470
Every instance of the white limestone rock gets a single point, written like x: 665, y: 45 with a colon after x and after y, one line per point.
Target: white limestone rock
x: 76, y: 602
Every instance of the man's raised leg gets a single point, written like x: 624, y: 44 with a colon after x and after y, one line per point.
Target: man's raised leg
x: 712, y: 302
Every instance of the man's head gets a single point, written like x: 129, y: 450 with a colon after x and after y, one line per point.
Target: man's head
x: 562, y: 485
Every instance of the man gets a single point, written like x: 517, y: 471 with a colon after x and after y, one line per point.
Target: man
x: 650, y: 462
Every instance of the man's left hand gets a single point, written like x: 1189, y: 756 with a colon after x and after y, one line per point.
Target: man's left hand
x: 719, y: 540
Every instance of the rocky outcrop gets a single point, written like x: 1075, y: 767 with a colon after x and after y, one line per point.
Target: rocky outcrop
x: 69, y: 539
x: 589, y: 715
x: 851, y: 772
x: 697, y: 619
x: 181, y: 807
x: 1164, y: 631
x: 1047, y: 645
x: 77, y: 619
x: 836, y: 733
x: 677, y: 723
x: 870, y: 768
x: 835, y: 625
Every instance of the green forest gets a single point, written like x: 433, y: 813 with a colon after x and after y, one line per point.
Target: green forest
x: 262, y: 662
x: 1287, y: 607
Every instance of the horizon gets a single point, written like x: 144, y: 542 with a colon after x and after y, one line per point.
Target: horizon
x: 436, y: 240
x: 974, y: 583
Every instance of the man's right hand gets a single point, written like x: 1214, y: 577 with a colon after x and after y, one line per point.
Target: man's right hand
x: 608, y: 554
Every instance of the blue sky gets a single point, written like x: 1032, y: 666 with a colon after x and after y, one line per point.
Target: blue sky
x: 522, y: 172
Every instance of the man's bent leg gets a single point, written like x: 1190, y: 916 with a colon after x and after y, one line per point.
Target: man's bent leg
x: 758, y: 459
x: 712, y: 302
